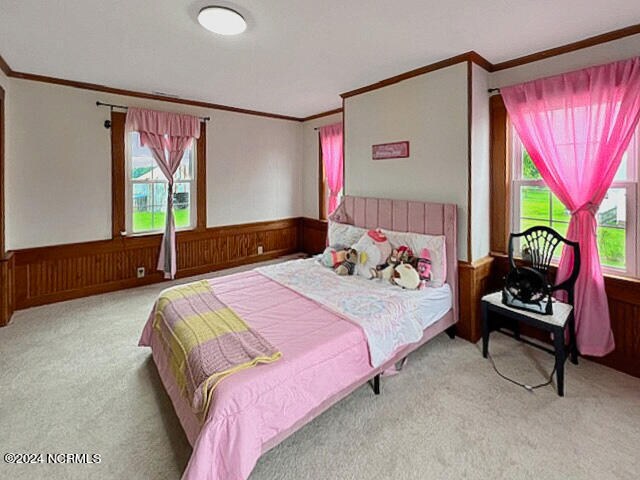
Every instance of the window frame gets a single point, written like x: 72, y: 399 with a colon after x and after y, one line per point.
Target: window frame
x: 193, y: 191
x: 119, y: 187
x: 631, y: 186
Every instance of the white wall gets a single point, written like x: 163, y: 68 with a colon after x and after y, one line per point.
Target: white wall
x: 600, y: 54
x: 311, y: 154
x: 58, y: 165
x: 430, y: 111
x: 480, y: 163
x: 254, y: 169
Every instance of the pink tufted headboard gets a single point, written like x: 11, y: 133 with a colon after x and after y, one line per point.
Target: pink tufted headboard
x: 407, y: 216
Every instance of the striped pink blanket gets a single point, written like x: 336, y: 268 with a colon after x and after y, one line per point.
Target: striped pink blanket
x: 205, y: 341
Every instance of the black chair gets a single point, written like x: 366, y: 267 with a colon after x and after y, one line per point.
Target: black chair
x: 538, y: 245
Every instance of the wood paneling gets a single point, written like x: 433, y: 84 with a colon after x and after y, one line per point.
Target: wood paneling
x: 500, y: 176
x: 474, y: 282
x: 118, y: 174
x: 51, y: 274
x: 570, y: 47
x: 201, y: 178
x: 313, y: 235
x: 624, y: 308
x: 6, y: 289
x: 2, y: 196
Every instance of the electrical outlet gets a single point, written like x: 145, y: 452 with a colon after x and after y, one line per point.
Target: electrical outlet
x: 141, y: 272
x: 260, y: 249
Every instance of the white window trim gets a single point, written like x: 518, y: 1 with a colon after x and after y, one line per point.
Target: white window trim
x: 193, y: 192
x: 632, y: 187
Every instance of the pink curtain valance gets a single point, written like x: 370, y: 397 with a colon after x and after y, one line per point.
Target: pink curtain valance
x: 162, y: 123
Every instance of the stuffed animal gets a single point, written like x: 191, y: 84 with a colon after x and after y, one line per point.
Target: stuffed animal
x: 423, y: 267
x: 404, y: 254
x: 332, y: 256
x: 385, y: 271
x: 405, y: 276
x: 348, y: 265
x: 373, y: 249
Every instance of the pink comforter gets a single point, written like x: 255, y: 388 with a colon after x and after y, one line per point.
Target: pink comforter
x: 323, y: 356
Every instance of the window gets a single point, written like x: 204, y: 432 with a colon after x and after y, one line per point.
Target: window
x: 534, y: 204
x: 146, y: 192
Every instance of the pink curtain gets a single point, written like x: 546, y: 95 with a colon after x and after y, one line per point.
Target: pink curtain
x: 576, y: 127
x: 168, y: 136
x: 332, y: 158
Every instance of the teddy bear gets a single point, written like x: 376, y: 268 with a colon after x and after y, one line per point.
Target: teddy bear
x: 333, y: 256
x: 348, y: 265
x: 385, y: 271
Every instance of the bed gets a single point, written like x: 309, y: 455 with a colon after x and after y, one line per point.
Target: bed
x: 324, y: 356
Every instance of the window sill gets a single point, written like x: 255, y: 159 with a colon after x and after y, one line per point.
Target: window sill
x: 158, y: 233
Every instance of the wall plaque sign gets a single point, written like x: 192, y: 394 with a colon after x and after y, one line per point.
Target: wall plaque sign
x: 386, y: 151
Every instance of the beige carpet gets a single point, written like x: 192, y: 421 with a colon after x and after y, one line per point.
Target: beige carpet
x: 72, y: 380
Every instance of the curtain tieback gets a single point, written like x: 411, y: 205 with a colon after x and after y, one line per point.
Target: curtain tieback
x: 590, y: 207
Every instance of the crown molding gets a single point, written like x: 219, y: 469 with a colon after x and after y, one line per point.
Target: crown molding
x: 322, y: 114
x: 470, y: 56
x: 4, y: 66
x: 474, y: 57
x: 132, y: 93
x: 569, y: 47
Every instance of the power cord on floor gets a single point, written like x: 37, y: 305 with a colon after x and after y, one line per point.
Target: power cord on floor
x: 529, y: 388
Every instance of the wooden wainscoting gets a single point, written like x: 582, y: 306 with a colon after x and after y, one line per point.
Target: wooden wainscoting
x: 313, y: 234
x: 474, y: 282
x: 51, y: 274
x: 6, y: 288
x: 624, y: 308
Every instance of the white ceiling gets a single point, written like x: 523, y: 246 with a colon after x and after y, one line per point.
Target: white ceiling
x: 296, y: 56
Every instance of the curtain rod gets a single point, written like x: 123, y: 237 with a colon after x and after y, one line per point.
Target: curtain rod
x: 124, y: 107
x: 493, y: 90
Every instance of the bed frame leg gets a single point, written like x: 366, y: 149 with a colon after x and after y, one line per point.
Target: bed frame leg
x: 375, y: 384
x: 400, y: 365
x: 451, y: 331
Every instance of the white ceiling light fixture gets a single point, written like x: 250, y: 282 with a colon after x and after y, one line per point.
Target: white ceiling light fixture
x: 222, y: 20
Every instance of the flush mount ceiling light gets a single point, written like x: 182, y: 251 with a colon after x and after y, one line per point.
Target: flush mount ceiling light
x: 222, y: 20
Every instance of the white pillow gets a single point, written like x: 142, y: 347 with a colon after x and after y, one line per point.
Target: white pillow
x: 416, y: 242
x: 344, y: 235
